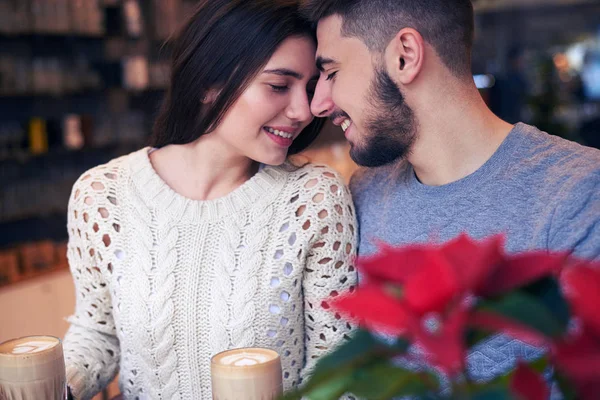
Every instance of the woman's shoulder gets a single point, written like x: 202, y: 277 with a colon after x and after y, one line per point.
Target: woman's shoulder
x: 111, y: 173
x: 303, y: 173
x: 101, y: 183
x: 315, y: 185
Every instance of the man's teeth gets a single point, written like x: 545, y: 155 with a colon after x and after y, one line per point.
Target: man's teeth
x: 346, y: 124
x: 279, y: 133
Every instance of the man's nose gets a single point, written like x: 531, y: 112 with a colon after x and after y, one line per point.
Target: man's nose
x: 322, y: 105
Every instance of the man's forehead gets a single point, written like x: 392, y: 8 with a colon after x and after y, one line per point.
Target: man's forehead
x: 328, y: 33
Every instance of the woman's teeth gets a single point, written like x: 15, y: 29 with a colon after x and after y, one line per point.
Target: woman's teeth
x: 279, y: 133
x: 346, y: 124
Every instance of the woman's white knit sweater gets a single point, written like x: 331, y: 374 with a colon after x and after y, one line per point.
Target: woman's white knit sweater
x: 164, y: 282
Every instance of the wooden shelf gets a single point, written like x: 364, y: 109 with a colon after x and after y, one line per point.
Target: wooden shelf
x: 115, y: 149
x: 31, y: 276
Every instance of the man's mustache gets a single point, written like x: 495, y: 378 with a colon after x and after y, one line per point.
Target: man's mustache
x: 337, y: 114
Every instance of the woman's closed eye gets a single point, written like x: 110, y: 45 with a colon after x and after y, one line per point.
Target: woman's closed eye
x: 279, y: 88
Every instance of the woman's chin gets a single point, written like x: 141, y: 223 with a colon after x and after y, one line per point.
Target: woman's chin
x: 272, y: 161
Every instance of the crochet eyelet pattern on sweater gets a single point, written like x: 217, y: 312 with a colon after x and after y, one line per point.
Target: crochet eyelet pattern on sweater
x: 164, y: 282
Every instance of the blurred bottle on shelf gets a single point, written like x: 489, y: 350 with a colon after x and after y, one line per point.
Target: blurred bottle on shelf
x: 135, y: 73
x: 134, y: 22
x: 72, y: 135
x: 51, y: 17
x: 38, y: 136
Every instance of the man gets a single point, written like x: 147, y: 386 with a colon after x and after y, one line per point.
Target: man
x: 396, y: 76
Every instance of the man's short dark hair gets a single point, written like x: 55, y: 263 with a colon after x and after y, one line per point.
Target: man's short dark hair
x: 447, y: 25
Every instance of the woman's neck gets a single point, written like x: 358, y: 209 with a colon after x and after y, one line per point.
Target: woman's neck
x: 202, y: 170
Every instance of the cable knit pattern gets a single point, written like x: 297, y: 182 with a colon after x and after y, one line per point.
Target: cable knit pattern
x: 163, y: 282
x: 245, y: 283
x: 223, y: 287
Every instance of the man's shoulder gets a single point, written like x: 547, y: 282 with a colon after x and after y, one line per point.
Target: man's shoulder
x: 555, y: 162
x: 556, y: 151
x: 568, y: 181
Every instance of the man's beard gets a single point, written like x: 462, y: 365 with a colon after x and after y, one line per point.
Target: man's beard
x: 390, y: 125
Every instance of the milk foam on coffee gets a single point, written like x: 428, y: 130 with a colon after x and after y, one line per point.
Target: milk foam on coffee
x: 245, y: 358
x: 30, y: 346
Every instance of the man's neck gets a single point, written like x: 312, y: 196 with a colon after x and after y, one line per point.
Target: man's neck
x: 457, y: 134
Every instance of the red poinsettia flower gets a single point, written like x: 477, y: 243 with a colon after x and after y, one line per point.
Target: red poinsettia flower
x: 522, y: 269
x: 376, y: 308
x: 527, y: 384
x: 473, y: 262
x: 433, y: 275
x: 442, y: 338
x: 581, y: 286
x: 406, y: 288
x: 394, y: 264
x: 401, y: 298
x: 588, y: 390
x: 578, y: 357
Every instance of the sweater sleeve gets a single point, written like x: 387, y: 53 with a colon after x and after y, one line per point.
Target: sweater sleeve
x: 329, y: 270
x: 90, y: 345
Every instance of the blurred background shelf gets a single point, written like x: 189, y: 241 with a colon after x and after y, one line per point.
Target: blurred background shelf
x: 496, y: 6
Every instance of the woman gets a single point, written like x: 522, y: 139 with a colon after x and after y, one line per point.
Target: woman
x: 209, y: 240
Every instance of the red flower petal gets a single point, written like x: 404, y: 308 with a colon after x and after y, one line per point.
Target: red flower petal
x: 581, y: 285
x: 394, y: 264
x: 528, y: 384
x: 579, y: 357
x: 433, y: 286
x: 522, y: 269
x: 588, y: 390
x: 444, y: 348
x: 492, y: 322
x: 374, y: 308
x: 474, y: 261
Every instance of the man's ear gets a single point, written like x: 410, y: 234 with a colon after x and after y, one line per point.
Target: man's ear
x: 405, y: 55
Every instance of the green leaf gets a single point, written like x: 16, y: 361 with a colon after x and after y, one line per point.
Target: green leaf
x: 399, y: 346
x: 566, y: 389
x: 382, y: 380
x: 332, y: 389
x: 548, y: 291
x: 527, y: 310
x: 352, y: 357
x: 350, y: 352
x: 475, y: 336
x: 493, y: 393
x: 361, y: 349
